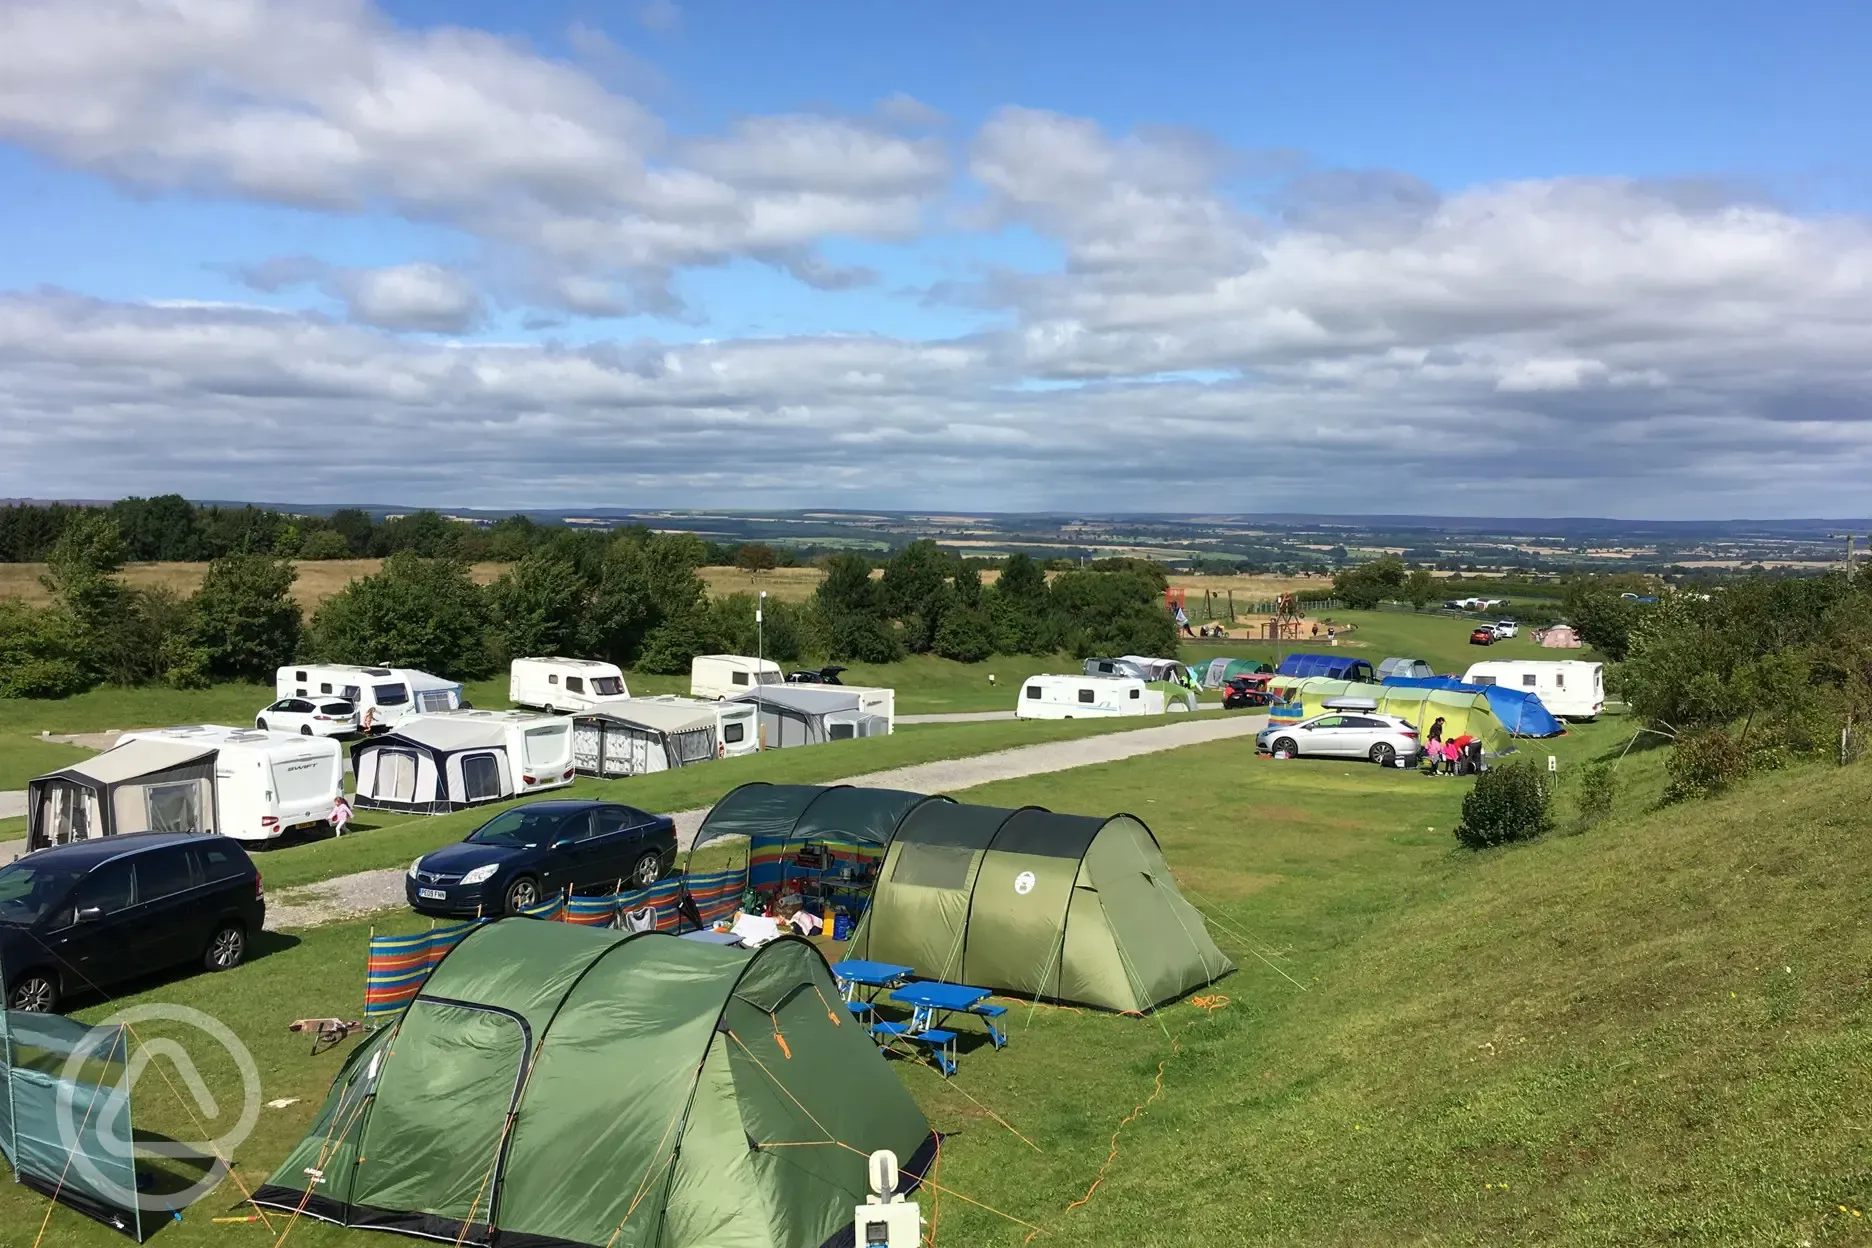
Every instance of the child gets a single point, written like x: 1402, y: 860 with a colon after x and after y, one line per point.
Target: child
x: 340, y: 815
x: 1449, y: 758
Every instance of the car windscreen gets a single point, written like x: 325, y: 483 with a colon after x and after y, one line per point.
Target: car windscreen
x: 518, y: 828
x: 390, y: 695
x: 28, y: 891
x: 607, y: 686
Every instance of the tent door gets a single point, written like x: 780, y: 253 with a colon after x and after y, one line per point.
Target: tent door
x: 587, y: 747
x: 396, y: 776
x: 68, y: 813
x: 480, y: 777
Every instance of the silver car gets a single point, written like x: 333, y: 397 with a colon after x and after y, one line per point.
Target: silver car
x: 1344, y: 733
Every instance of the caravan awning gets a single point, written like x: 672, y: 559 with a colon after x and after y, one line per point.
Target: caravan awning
x: 135, y: 758
x: 800, y: 699
x: 665, y: 717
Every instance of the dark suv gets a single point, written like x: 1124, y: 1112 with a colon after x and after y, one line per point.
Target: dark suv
x: 93, y: 913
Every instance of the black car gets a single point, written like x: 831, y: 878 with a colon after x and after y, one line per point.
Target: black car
x: 94, y: 913
x: 1243, y: 691
x: 828, y: 675
x: 534, y: 851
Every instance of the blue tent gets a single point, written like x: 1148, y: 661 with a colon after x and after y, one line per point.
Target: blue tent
x: 1522, y: 714
x: 1332, y: 666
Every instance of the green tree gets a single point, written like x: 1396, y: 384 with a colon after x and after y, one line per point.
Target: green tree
x: 851, y: 613
x: 288, y: 542
x: 1420, y: 589
x: 1108, y: 613
x: 1365, y: 586
x: 1017, y: 605
x: 755, y: 557
x: 1604, y: 620
x: 325, y: 544
x: 537, y: 607
x: 246, y: 624
x: 356, y: 528
x: 41, y: 652
x: 916, y: 591
x: 645, y: 579
x: 415, y: 612
x: 81, y: 573
x: 782, y: 635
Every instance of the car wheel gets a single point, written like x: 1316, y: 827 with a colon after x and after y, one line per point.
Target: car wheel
x: 522, y: 893
x: 227, y: 948
x: 35, y: 992
x: 1285, y: 745
x: 646, y: 871
x: 305, y: 730
x: 1383, y: 754
x: 260, y: 724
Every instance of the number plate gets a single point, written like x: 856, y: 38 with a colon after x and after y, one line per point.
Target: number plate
x: 433, y: 894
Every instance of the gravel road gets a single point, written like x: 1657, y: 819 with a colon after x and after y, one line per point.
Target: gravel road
x: 352, y: 895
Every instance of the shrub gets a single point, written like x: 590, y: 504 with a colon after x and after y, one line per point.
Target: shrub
x: 1511, y: 803
x: 1598, y: 793
x: 246, y: 623
x: 325, y: 544
x: 967, y: 634
x: 40, y: 652
x: 1704, y: 764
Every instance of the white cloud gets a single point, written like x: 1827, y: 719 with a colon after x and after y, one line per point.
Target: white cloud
x: 411, y: 296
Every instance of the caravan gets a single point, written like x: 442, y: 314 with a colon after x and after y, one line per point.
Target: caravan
x: 383, y: 696
x: 556, y: 685
x: 725, y: 675
x: 636, y: 736
x: 265, y: 783
x: 737, y: 724
x: 1570, y: 688
x: 432, y: 764
x: 1086, y: 697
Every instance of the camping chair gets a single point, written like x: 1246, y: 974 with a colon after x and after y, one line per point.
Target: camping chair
x: 644, y: 920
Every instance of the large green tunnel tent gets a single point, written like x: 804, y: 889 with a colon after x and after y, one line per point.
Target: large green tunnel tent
x: 559, y: 1085
x: 1059, y: 907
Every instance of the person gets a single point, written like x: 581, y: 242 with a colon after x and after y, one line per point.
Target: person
x: 1330, y: 636
x: 1316, y: 630
x: 1450, y: 751
x: 340, y: 815
x: 1436, y: 732
x: 370, y: 716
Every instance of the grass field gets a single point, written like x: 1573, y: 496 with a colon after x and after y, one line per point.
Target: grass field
x: 1651, y: 1032
x: 318, y: 579
x: 1441, y: 640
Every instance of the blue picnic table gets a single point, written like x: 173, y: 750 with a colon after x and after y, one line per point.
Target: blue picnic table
x: 855, y: 972
x: 931, y: 1002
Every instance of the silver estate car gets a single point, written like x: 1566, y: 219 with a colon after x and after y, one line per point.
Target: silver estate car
x: 1350, y: 729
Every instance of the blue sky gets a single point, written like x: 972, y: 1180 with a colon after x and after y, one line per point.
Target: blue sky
x: 1626, y: 244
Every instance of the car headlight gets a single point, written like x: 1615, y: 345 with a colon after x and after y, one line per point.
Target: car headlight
x: 412, y: 868
x: 481, y: 875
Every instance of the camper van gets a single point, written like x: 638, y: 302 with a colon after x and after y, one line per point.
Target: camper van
x: 384, y: 696
x: 432, y: 764
x: 724, y: 675
x: 265, y: 783
x: 737, y: 724
x: 1086, y: 697
x: 1569, y: 688
x: 563, y: 684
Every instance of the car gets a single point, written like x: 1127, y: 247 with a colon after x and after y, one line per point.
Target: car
x: 1242, y: 691
x: 527, y: 853
x: 1344, y: 732
x: 310, y: 717
x: 828, y: 675
x: 1505, y: 629
x: 1484, y: 636
x: 84, y: 916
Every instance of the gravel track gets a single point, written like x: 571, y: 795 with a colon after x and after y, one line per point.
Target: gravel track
x: 349, y: 896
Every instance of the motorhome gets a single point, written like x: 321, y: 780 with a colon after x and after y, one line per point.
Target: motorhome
x: 265, y: 783
x: 737, y: 724
x: 1086, y: 697
x: 432, y: 764
x: 557, y: 684
x: 384, y: 696
x: 725, y: 675
x: 1569, y: 688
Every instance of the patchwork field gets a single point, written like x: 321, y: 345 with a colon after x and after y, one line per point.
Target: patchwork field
x: 318, y: 579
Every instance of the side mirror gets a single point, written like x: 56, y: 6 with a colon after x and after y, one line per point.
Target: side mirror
x: 564, y: 842
x: 90, y: 914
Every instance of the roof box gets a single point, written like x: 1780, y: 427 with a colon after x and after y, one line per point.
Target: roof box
x: 1350, y: 704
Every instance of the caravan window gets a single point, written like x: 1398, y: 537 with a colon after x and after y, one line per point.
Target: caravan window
x: 299, y: 675
x: 353, y: 694
x: 173, y: 807
x: 739, y: 678
x: 1527, y: 680
x: 396, y: 776
x: 552, y: 678
x: 770, y: 678
x: 545, y: 746
x: 1137, y: 693
x: 1559, y: 680
x: 390, y: 695
x: 607, y: 686
x: 1086, y: 695
x: 433, y: 700
x: 732, y: 733
x: 480, y: 777
x: 1033, y: 691
x: 325, y: 687
x: 574, y: 685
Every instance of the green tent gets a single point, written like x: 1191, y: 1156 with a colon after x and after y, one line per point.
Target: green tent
x: 1059, y: 907
x: 561, y: 1085
x: 1462, y: 711
x: 65, y: 1116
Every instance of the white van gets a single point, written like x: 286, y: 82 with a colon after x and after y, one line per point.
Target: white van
x: 563, y: 684
x: 1086, y: 697
x: 388, y: 694
x: 1570, y: 688
x: 737, y: 724
x: 266, y: 783
x: 724, y: 675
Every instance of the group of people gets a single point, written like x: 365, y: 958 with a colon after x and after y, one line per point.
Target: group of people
x: 1442, y: 757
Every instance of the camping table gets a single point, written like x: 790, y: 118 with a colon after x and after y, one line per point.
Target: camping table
x: 709, y: 936
x: 930, y: 1003
x: 855, y: 971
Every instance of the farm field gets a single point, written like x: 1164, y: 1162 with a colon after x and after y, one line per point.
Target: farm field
x: 318, y: 579
x: 1651, y: 1030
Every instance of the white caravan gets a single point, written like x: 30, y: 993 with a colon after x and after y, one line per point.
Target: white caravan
x: 724, y: 675
x: 737, y: 724
x: 432, y: 764
x: 1570, y: 688
x: 1086, y: 697
x: 563, y: 684
x: 265, y: 783
x: 874, y: 701
x: 383, y: 695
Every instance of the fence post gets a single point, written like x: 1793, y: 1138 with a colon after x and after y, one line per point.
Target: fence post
x: 1231, y: 594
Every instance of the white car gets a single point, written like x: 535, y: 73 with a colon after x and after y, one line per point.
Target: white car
x: 1507, y: 628
x: 1348, y: 730
x: 310, y: 717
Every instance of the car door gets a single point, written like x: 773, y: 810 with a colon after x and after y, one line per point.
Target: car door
x: 1321, y: 736
x: 616, y: 833
x: 103, y: 946
x: 1360, y: 732
x: 172, y: 923
x: 577, y: 858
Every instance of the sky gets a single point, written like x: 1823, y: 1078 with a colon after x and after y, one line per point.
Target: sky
x: 1452, y: 257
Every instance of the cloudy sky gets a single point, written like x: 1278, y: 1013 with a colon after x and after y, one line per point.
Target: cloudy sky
x: 1590, y: 259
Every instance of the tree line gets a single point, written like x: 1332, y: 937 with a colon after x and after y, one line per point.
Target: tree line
x: 631, y: 596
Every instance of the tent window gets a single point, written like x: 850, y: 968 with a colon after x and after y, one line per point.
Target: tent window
x: 1086, y: 695
x: 932, y: 866
x: 396, y: 775
x: 732, y: 733
x: 480, y: 777
x: 174, y: 807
